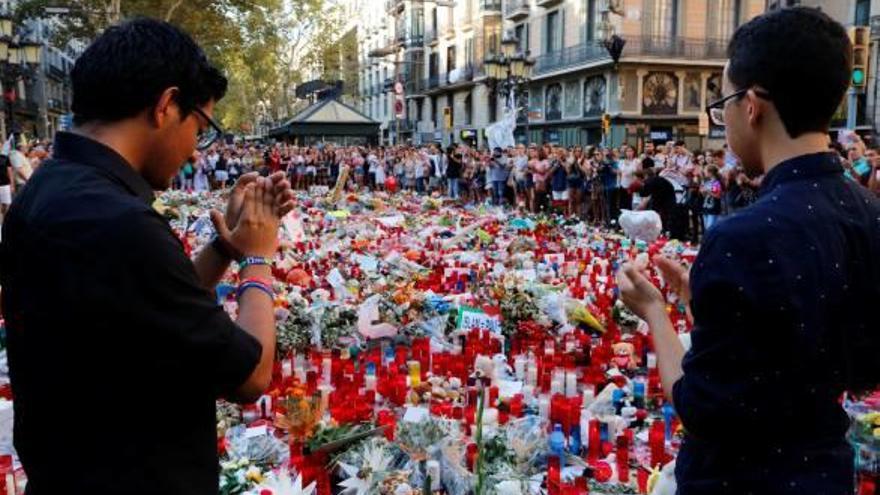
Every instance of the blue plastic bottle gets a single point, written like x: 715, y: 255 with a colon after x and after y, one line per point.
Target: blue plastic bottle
x: 557, y: 442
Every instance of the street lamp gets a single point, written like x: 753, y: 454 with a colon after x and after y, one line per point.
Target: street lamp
x: 508, y: 74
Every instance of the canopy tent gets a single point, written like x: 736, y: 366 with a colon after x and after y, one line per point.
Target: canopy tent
x: 328, y: 121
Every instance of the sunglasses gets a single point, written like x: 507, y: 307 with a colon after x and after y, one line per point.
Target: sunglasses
x: 716, y: 108
x: 208, y: 136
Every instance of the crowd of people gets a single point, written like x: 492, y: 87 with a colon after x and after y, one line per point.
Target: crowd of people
x: 690, y: 190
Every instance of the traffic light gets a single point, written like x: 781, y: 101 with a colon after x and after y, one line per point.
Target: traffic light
x: 861, y: 47
x: 606, y: 123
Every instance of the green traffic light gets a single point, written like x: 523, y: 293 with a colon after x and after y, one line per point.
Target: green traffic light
x: 858, y: 77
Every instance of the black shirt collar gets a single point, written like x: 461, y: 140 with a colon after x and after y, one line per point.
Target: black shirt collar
x: 80, y: 149
x: 800, y: 168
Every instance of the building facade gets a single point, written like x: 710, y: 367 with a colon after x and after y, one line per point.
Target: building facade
x: 39, y: 103
x: 670, y: 67
x: 858, y: 13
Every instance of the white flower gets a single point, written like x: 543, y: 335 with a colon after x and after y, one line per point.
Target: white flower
x: 360, y: 479
x: 282, y: 484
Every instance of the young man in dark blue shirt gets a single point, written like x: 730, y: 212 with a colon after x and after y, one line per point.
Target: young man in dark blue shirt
x: 117, y: 346
x: 784, y: 292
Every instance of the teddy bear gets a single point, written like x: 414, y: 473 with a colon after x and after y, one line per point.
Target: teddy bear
x: 624, y: 356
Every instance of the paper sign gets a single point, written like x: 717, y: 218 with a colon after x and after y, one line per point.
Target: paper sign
x: 415, y: 414
x: 367, y: 263
x: 558, y: 258
x: 293, y: 226
x: 509, y: 388
x: 256, y: 431
x: 476, y: 318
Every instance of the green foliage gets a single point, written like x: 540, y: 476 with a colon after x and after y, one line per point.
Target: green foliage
x: 264, y: 46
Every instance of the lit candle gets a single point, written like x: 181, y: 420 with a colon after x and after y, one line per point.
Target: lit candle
x: 415, y: 373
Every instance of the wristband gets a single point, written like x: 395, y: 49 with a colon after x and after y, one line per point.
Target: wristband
x: 253, y: 260
x: 254, y: 284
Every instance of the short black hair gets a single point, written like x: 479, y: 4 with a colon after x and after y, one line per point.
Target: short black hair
x: 801, y: 57
x: 128, y: 66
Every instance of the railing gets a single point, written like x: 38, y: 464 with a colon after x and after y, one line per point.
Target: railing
x: 430, y: 35
x: 570, y: 56
x: 514, y: 6
x: 416, y: 86
x: 404, y: 125
x: 56, y: 72
x: 662, y: 46
x: 666, y: 47
x: 490, y: 5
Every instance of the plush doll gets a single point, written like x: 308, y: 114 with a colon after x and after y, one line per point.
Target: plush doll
x: 624, y: 356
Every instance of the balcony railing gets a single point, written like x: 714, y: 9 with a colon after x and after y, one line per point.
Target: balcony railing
x: 665, y: 47
x: 404, y: 125
x: 675, y: 47
x: 431, y: 35
x: 416, y: 86
x: 570, y: 56
x: 516, y: 9
x: 490, y: 5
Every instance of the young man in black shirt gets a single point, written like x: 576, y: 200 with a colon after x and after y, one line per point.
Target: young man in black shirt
x: 657, y: 194
x: 785, y: 290
x: 112, y: 329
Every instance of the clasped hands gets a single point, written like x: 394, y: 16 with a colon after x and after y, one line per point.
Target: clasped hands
x: 253, y: 214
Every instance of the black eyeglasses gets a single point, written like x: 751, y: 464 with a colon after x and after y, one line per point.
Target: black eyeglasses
x: 208, y: 136
x: 716, y: 108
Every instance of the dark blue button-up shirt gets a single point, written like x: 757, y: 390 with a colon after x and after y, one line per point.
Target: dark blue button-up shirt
x: 785, y: 293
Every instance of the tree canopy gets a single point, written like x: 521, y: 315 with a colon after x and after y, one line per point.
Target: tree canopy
x: 265, y: 47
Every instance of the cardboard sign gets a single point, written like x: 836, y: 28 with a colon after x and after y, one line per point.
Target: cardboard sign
x: 477, y: 318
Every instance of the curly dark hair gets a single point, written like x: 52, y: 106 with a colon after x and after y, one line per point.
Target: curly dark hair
x: 801, y: 57
x: 126, y: 69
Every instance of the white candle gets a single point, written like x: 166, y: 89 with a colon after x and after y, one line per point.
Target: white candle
x: 544, y: 407
x: 370, y: 382
x: 570, y: 384
x: 652, y: 360
x: 557, y: 387
x: 286, y: 368
x: 533, y: 375
x: 433, y: 469
x: 519, y: 367
x: 326, y: 367
x: 589, y: 395
x: 490, y: 417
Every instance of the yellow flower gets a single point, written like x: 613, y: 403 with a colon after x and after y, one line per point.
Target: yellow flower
x: 254, y: 474
x: 877, y: 433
